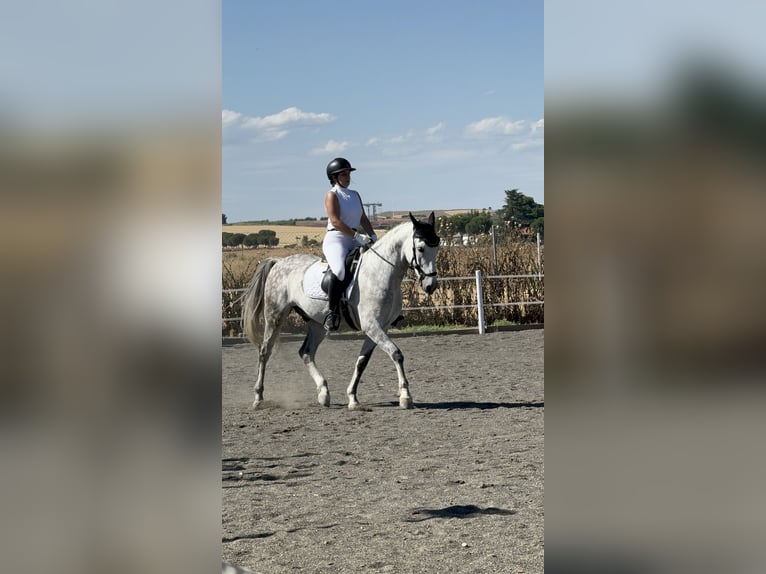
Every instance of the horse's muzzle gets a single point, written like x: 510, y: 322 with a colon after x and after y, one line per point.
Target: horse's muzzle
x: 429, y: 284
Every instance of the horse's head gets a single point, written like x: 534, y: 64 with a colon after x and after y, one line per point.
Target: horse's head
x: 425, y: 246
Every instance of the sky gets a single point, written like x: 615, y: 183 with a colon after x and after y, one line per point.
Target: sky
x: 639, y: 49
x: 437, y: 103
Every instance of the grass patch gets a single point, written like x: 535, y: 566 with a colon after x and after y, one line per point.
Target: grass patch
x: 431, y: 328
x: 503, y: 323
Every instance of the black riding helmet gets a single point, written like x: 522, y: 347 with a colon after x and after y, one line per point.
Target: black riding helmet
x: 338, y: 165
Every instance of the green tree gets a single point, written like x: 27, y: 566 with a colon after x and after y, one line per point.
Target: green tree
x: 251, y: 240
x: 268, y: 237
x: 520, y: 209
x: 479, y: 223
x: 472, y: 222
x: 263, y: 234
x: 237, y: 239
x: 458, y: 222
x: 224, y: 219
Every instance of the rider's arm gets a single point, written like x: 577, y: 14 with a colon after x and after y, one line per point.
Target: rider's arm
x: 366, y: 225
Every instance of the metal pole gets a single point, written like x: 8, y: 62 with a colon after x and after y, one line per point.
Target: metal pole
x: 539, y: 260
x: 480, y: 301
x: 495, y: 290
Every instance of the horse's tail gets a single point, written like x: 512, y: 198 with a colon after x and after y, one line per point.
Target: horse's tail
x: 252, y: 302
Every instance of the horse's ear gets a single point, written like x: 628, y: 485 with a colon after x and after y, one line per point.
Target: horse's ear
x: 431, y: 219
x: 412, y: 217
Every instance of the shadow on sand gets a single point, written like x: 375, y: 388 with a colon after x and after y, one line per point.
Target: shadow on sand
x: 459, y: 511
x: 451, y: 405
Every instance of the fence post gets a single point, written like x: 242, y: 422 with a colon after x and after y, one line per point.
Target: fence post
x: 539, y: 259
x: 480, y: 301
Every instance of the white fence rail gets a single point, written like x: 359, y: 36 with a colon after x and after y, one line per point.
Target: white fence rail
x: 479, y: 304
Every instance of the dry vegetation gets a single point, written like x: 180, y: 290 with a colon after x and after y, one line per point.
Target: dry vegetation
x: 287, y: 234
x: 515, y: 256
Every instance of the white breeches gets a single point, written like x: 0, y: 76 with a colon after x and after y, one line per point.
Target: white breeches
x: 336, y: 246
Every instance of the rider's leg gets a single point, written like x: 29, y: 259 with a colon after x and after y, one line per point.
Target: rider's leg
x: 334, y: 292
x: 335, y: 250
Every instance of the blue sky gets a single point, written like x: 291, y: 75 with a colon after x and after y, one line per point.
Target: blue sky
x: 438, y: 104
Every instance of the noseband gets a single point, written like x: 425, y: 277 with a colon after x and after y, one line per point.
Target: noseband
x: 414, y: 265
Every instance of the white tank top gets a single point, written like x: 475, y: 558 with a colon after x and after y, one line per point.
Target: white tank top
x: 350, y: 203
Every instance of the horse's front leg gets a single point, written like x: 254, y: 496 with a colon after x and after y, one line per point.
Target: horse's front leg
x: 361, y: 364
x: 380, y: 338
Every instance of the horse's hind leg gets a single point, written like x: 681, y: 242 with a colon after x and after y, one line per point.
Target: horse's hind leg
x: 264, y: 352
x: 307, y: 352
x: 270, y: 335
x: 361, y: 364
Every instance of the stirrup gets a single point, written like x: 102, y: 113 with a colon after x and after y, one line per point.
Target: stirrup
x: 332, y: 321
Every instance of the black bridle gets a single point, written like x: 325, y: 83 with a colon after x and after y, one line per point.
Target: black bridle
x: 414, y: 264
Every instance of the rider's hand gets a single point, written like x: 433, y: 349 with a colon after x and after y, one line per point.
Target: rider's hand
x: 362, y: 239
x: 374, y: 238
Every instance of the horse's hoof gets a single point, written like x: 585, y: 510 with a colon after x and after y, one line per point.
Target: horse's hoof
x: 324, y: 399
x: 257, y: 403
x: 405, y: 402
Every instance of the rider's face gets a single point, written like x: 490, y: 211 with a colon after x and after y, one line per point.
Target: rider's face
x: 344, y: 178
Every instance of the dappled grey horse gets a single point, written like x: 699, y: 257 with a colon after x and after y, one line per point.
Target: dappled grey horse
x: 373, y: 304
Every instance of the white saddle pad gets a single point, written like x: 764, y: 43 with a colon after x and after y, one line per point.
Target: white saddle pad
x: 312, y: 281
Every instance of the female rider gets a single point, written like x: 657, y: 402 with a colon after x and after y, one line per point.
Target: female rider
x: 345, y: 217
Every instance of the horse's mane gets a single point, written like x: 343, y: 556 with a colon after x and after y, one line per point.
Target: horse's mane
x: 424, y: 230
x: 394, y: 232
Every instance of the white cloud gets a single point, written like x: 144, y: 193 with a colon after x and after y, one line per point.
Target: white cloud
x: 434, y: 134
x: 410, y: 138
x: 272, y: 127
x: 289, y: 117
x: 229, y: 117
x: 527, y: 144
x: 398, y: 139
x: 330, y: 148
x: 500, y: 125
x: 539, y: 125
x: 435, y: 129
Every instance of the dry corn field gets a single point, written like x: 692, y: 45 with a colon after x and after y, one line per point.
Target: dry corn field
x: 515, y: 256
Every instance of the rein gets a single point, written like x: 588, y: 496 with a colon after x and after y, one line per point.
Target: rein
x: 379, y: 255
x: 413, y: 264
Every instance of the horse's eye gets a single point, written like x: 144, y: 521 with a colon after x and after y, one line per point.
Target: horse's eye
x: 421, y: 249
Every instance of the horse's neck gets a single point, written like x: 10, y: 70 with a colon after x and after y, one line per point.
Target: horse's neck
x: 391, y: 251
x: 393, y: 245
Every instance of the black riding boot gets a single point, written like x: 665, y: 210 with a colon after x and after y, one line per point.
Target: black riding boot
x: 334, y: 291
